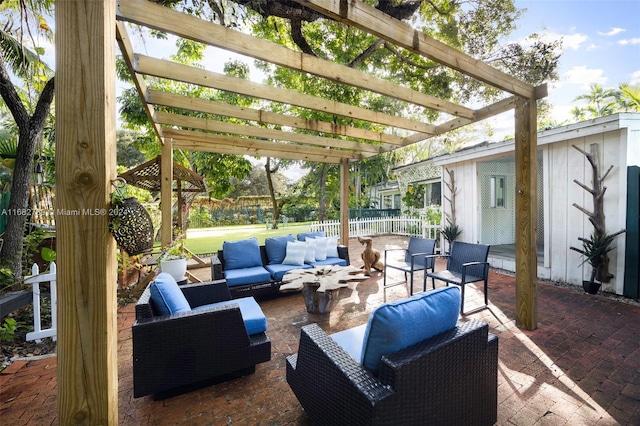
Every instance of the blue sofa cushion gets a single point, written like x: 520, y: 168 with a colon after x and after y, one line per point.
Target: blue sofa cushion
x: 295, y: 253
x: 304, y: 235
x: 351, y: 340
x: 276, y: 248
x: 398, y: 325
x: 254, y: 320
x: 278, y: 271
x: 254, y: 275
x: 241, y: 254
x: 167, y: 296
x: 329, y: 261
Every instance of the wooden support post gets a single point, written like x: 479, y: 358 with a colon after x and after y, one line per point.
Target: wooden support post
x: 86, y: 252
x: 526, y: 204
x: 344, y: 201
x: 166, y: 187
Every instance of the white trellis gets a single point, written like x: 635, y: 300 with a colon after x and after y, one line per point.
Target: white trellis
x: 35, y: 279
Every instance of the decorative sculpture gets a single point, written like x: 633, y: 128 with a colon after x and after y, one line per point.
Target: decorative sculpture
x: 370, y: 256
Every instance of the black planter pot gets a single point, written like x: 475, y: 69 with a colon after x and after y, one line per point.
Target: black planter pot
x: 590, y: 287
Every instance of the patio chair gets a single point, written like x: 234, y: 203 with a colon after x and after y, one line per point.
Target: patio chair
x: 438, y: 371
x: 414, y: 260
x: 194, y: 337
x: 467, y: 263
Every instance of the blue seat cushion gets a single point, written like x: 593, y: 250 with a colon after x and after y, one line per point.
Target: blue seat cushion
x: 254, y: 320
x: 278, y: 271
x: 304, y: 235
x: 242, y: 276
x: 241, y: 254
x: 167, y: 296
x: 351, y: 340
x: 398, y: 325
x: 330, y: 261
x: 276, y: 248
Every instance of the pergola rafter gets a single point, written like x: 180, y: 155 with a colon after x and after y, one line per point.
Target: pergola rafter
x: 86, y: 34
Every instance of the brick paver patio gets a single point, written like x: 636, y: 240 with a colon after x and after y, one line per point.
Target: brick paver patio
x: 580, y: 367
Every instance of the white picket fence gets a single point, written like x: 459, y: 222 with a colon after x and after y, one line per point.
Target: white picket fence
x: 398, y: 225
x: 35, y: 279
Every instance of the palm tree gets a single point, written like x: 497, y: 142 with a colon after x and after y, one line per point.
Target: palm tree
x: 600, y: 99
x: 628, y: 97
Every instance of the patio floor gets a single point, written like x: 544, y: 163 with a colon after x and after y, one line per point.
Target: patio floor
x: 581, y: 366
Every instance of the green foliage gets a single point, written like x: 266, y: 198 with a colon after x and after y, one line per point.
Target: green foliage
x: 8, y: 330
x: 414, y: 197
x: 596, y: 247
x: 603, y: 101
x: 7, y: 280
x: 451, y: 233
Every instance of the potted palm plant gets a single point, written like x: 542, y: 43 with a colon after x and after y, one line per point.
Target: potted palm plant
x: 451, y: 232
x: 595, y: 250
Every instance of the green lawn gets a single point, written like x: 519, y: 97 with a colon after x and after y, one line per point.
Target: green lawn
x: 206, y: 241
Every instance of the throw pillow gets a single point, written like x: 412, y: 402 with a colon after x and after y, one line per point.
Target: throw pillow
x: 332, y: 247
x: 241, y: 254
x: 321, y: 248
x: 295, y: 253
x: 167, y: 296
x: 310, y: 255
x: 276, y: 248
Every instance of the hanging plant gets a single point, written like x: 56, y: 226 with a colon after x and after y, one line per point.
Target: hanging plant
x: 130, y: 224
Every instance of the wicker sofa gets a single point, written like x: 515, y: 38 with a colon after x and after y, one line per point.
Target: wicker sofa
x: 212, y: 339
x: 257, y: 270
x: 449, y: 378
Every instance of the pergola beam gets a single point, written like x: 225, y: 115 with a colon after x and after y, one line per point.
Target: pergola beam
x: 201, y: 141
x: 190, y: 27
x: 187, y: 74
x: 263, y: 132
x: 127, y: 54
x: 367, y: 18
x: 262, y: 116
x: 87, y: 354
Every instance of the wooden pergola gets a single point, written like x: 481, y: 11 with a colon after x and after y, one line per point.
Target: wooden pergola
x: 86, y: 36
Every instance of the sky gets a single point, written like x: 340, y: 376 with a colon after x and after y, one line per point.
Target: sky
x: 601, y: 44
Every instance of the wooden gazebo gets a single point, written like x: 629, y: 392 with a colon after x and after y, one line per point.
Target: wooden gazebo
x: 148, y: 176
x: 86, y: 34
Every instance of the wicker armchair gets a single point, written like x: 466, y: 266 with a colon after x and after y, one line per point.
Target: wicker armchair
x: 449, y: 379
x: 176, y: 353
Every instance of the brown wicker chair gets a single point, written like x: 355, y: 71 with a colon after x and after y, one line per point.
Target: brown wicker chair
x: 449, y: 379
x: 176, y: 353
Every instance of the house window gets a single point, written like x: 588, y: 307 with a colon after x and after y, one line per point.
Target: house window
x: 498, y: 191
x: 433, y: 194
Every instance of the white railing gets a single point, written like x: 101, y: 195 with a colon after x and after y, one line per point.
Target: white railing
x: 35, y: 279
x: 399, y: 225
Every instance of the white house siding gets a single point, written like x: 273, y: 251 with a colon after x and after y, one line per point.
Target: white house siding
x: 618, y: 141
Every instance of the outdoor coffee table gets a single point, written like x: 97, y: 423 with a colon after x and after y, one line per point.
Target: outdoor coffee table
x: 320, y: 285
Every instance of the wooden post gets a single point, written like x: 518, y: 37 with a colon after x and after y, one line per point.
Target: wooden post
x: 86, y: 252
x: 344, y: 201
x: 526, y: 180
x: 166, y: 185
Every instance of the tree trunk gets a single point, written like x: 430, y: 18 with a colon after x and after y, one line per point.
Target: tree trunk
x: 322, y: 202
x: 272, y: 194
x: 30, y: 128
